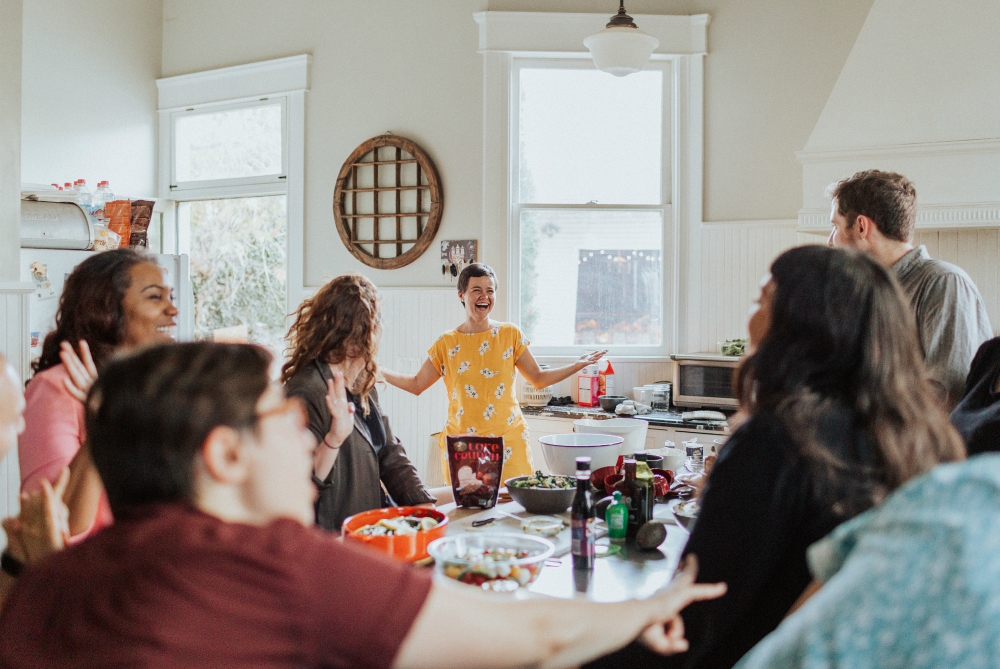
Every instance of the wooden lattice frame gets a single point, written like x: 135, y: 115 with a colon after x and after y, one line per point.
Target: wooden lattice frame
x: 386, y: 158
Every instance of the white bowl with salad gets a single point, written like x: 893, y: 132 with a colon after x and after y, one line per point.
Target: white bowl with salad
x: 499, y: 562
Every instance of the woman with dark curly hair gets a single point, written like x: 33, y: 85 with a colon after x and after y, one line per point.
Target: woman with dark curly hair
x: 113, y: 302
x: 840, y: 412
x: 333, y: 343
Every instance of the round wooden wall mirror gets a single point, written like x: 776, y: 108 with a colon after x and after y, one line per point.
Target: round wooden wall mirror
x: 388, y: 202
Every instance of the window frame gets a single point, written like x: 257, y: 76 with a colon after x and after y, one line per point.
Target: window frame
x: 229, y: 88
x: 179, y: 188
x: 515, y: 207
x: 504, y: 36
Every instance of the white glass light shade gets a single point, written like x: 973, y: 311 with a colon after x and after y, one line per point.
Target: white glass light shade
x: 621, y: 50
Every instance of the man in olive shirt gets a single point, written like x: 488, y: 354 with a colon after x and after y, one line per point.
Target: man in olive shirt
x: 876, y: 212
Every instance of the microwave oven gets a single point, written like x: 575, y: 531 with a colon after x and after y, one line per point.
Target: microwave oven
x: 704, y: 380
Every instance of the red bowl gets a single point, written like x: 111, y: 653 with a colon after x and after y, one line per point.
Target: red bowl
x: 405, y: 547
x: 661, y: 483
x: 598, y: 475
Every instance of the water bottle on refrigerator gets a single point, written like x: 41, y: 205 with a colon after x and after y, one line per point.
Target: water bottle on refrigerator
x: 102, y: 196
x: 83, y: 196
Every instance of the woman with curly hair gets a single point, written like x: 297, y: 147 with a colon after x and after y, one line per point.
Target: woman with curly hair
x: 113, y: 302
x: 333, y: 343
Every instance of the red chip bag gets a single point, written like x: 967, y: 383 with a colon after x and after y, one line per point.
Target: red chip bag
x: 475, y: 464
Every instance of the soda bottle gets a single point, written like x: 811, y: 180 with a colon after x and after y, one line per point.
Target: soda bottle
x: 581, y: 533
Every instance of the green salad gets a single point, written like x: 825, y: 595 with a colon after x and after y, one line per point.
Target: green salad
x: 540, y: 480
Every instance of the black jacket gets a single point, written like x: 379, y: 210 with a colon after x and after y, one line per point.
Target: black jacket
x: 355, y: 482
x: 977, y: 416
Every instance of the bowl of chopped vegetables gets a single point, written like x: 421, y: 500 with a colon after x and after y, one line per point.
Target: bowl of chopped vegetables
x: 401, y: 531
x: 539, y: 493
x: 499, y: 561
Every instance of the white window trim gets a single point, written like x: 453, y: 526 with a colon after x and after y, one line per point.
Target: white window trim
x: 504, y: 36
x: 284, y: 78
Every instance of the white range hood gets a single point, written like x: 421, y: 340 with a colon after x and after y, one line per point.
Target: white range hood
x: 919, y: 94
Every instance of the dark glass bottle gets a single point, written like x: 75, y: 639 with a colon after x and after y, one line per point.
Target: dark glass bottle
x: 643, y: 490
x: 628, y: 467
x: 581, y: 532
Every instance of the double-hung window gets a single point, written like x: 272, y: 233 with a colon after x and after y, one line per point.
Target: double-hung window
x: 233, y: 169
x: 590, y: 189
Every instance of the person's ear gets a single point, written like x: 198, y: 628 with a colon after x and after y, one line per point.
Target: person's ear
x: 224, y: 456
x: 461, y: 297
x: 865, y: 226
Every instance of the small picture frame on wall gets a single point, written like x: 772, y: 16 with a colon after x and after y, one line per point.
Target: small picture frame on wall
x: 456, y: 254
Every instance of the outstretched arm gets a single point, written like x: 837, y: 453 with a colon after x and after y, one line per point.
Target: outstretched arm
x: 545, y: 632
x: 540, y: 378
x: 413, y: 383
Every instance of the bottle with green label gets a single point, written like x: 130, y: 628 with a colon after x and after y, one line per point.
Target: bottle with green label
x: 616, y: 517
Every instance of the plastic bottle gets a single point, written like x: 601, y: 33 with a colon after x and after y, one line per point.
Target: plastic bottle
x: 616, y: 517
x: 102, y: 195
x: 607, y: 377
x: 83, y: 195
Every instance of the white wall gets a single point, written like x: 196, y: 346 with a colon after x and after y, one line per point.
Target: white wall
x: 10, y: 138
x: 381, y: 65
x: 89, y: 93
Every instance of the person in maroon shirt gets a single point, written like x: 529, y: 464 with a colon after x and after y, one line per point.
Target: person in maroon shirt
x: 212, y: 560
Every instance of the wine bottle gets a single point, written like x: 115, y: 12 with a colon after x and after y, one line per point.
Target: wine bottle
x: 582, y: 510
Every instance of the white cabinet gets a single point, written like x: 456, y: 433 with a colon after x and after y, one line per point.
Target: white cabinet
x: 655, y: 436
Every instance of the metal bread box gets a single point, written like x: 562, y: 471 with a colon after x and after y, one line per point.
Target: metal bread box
x: 55, y: 225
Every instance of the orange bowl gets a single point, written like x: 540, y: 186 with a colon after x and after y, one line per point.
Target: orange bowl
x: 405, y: 547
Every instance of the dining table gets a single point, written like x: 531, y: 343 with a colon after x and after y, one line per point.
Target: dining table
x: 621, y: 571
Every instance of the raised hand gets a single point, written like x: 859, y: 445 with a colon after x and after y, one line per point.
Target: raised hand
x: 42, y: 527
x: 82, y: 370
x: 341, y: 412
x: 592, y: 357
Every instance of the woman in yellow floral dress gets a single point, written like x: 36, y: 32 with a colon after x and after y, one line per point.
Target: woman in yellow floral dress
x: 479, y: 361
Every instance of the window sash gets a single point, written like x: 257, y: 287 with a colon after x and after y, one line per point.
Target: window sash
x: 183, y: 189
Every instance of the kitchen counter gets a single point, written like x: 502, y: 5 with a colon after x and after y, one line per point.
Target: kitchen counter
x: 630, y: 574
x: 670, y: 418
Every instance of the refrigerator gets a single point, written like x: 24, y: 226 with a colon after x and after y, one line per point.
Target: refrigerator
x: 47, y: 270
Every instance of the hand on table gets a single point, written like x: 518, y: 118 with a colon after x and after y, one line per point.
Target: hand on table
x: 43, y: 524
x: 81, y: 368
x: 341, y: 412
x: 666, y: 634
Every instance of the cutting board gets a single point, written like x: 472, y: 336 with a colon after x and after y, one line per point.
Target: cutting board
x: 460, y: 521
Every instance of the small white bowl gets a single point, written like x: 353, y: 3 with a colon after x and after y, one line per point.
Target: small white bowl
x: 562, y: 450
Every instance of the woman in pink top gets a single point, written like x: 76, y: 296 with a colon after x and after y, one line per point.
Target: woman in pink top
x: 113, y: 302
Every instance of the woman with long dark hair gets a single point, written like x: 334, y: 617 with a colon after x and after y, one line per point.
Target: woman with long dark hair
x: 113, y: 302
x: 840, y: 412
x: 333, y: 345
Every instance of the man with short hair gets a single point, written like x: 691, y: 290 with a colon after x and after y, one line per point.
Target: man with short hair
x: 876, y: 212
x: 211, y: 561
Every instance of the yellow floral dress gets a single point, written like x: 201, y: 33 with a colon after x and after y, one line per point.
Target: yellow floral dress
x: 479, y: 373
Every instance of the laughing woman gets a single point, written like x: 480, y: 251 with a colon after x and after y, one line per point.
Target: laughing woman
x: 479, y: 361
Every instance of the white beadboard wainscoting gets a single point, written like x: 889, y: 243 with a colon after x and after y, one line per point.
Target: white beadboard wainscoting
x: 13, y: 344
x: 412, y: 320
x: 975, y: 251
x: 734, y: 257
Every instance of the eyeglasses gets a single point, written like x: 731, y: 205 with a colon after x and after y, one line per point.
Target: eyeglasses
x: 290, y: 406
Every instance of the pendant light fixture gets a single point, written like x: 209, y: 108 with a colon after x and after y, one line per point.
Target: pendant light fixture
x: 621, y: 48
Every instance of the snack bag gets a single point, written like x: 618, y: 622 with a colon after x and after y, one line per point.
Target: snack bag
x: 475, y: 464
x: 141, y: 213
x: 118, y: 214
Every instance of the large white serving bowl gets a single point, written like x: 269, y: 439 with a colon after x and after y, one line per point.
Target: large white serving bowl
x: 631, y: 430
x: 562, y: 450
